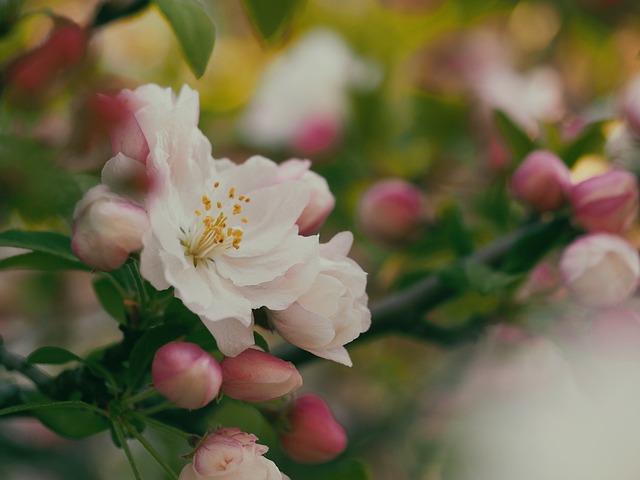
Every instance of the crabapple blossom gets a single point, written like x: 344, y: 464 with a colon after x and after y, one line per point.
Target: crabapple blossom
x: 186, y: 374
x: 321, y: 200
x: 391, y: 211
x: 230, y: 454
x: 313, y: 434
x: 106, y: 228
x: 601, y: 270
x: 256, y: 376
x: 224, y: 236
x: 606, y: 202
x: 333, y: 311
x: 542, y: 181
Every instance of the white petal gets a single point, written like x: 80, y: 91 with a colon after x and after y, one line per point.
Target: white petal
x: 232, y: 336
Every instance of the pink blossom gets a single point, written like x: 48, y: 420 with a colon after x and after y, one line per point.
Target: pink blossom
x: 542, y: 181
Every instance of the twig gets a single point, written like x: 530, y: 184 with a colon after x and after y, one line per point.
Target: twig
x: 13, y: 361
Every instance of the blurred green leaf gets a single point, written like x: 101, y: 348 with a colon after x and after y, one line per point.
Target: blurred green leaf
x: 591, y: 139
x: 193, y: 28
x: 40, y: 261
x: 45, y: 242
x: 75, y: 423
x: 110, y: 298
x: 351, y: 470
x: 459, y: 237
x: 485, y: 280
x: 270, y: 16
x: 518, y: 141
x: 52, y: 356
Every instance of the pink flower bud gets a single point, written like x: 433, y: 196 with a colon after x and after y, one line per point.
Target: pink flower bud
x: 106, y: 228
x: 317, y: 135
x: 606, y: 202
x: 256, y: 376
x: 601, y: 270
x: 391, y: 211
x: 314, y: 435
x: 321, y: 200
x: 186, y: 374
x: 541, y: 181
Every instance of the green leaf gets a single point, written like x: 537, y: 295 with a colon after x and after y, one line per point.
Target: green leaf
x: 260, y: 341
x: 75, y: 423
x: 193, y: 28
x: 486, y: 280
x: 458, y: 236
x: 270, y: 16
x: 351, y: 470
x: 110, y: 298
x: 591, y: 139
x: 40, y: 261
x: 44, y: 242
x: 52, y: 356
x: 518, y: 141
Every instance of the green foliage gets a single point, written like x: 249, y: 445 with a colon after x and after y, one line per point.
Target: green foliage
x: 111, y: 298
x: 519, y: 142
x: 193, y: 28
x: 270, y: 17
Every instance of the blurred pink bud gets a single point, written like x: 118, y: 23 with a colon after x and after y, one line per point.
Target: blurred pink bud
x: 606, y: 202
x: 601, y: 270
x: 391, y: 211
x: 32, y: 73
x: 186, y: 374
x: 106, y: 228
x: 256, y: 376
x: 231, y: 454
x: 314, y: 435
x: 321, y: 201
x: 316, y: 136
x: 541, y: 181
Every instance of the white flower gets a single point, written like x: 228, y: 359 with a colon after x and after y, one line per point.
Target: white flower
x: 224, y: 236
x: 230, y: 454
x: 334, y: 311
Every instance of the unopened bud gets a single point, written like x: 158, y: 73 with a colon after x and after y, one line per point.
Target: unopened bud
x: 391, y: 211
x: 601, y: 270
x: 314, y: 435
x: 606, y: 202
x: 256, y: 376
x: 107, y: 228
x: 186, y: 374
x: 541, y: 181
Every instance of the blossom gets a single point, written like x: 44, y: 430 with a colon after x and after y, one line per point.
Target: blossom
x: 224, y: 236
x: 601, y: 270
x: 186, y: 374
x: 334, y: 310
x: 106, y: 228
x: 256, y: 376
x: 606, y: 202
x: 230, y: 454
x: 321, y: 200
x: 313, y: 434
x: 542, y: 181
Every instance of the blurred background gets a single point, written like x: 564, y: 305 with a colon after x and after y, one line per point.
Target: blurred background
x: 369, y: 91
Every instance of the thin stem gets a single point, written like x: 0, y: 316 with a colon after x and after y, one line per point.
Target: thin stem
x: 13, y: 361
x: 127, y: 451
x: 140, y: 396
x: 152, y: 451
x: 162, y: 426
x: 142, y: 292
x: 158, y: 408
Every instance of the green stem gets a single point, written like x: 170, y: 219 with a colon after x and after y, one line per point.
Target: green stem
x: 142, y: 292
x: 162, y: 426
x: 47, y: 405
x: 13, y: 361
x: 140, y: 396
x: 158, y: 408
x: 152, y: 451
x: 127, y: 451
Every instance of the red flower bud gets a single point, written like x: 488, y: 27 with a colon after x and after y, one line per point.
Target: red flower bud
x: 314, y: 435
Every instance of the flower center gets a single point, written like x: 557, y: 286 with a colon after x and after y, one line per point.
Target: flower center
x: 216, y: 227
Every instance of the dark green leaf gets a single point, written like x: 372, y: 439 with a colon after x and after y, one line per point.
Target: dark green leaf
x: 260, y: 341
x: 52, y: 356
x: 75, y: 423
x: 485, y: 280
x: 193, y: 28
x: 590, y: 140
x: 518, y: 141
x: 40, y: 261
x: 459, y: 237
x: 110, y: 298
x: 145, y: 349
x: 270, y: 16
x: 351, y: 470
x: 44, y: 242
